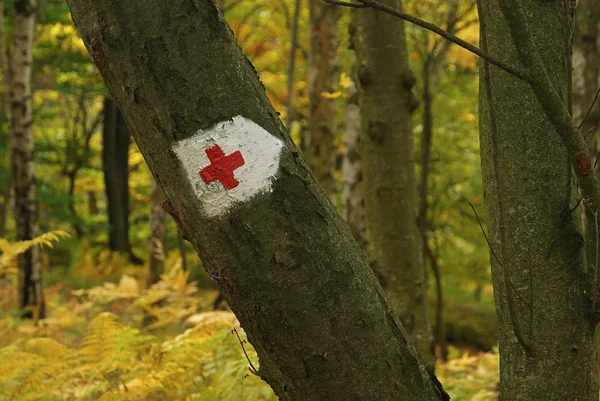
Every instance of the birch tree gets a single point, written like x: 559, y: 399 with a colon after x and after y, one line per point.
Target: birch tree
x: 22, y: 156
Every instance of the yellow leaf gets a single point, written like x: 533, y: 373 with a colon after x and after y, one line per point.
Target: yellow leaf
x: 331, y: 95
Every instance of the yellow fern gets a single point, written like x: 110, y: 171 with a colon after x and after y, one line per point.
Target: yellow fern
x: 10, y: 250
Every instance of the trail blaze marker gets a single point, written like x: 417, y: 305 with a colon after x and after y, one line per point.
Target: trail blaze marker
x: 229, y: 163
x: 222, y: 167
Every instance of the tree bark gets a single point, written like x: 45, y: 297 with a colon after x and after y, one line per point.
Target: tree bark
x: 157, y: 224
x: 283, y: 258
x: 387, y: 157
x: 22, y: 156
x: 546, y: 334
x: 115, y: 163
x: 323, y: 77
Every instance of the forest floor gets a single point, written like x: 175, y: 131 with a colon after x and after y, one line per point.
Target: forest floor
x: 117, y: 341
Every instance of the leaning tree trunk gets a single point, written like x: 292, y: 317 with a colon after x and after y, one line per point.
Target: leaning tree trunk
x: 115, y: 163
x: 323, y: 77
x: 241, y: 193
x: 388, y: 162
x: 22, y: 155
x: 547, y: 348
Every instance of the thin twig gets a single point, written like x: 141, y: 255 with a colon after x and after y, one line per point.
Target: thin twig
x: 576, y: 206
x: 515, y: 71
x: 590, y: 109
x: 345, y: 4
x: 512, y: 286
x: 253, y: 370
x: 485, y: 235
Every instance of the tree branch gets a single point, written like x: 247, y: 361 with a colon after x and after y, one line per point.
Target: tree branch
x: 515, y: 71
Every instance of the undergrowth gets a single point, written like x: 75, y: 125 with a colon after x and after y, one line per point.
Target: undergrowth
x: 119, y: 341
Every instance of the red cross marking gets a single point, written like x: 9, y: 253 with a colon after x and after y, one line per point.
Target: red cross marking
x: 221, y: 167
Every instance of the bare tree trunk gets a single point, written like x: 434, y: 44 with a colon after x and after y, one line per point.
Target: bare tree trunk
x: 292, y: 67
x: 323, y: 77
x: 182, y: 252
x: 115, y: 163
x: 353, y: 197
x: 545, y: 328
x: 5, y: 116
x: 157, y: 224
x: 387, y: 157
x: 241, y: 193
x: 92, y: 203
x: 23, y: 173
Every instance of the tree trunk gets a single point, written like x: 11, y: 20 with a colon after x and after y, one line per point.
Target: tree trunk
x: 290, y: 113
x: 240, y: 191
x: 387, y: 157
x: 72, y: 177
x: 5, y: 116
x: 323, y: 77
x: 546, y: 335
x: 157, y: 224
x: 23, y: 174
x: 115, y: 163
x: 353, y: 197
x: 182, y: 252
x: 92, y: 203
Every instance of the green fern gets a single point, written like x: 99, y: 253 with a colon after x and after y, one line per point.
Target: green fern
x: 116, y: 362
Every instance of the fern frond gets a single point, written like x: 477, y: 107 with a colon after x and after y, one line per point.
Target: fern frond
x: 10, y: 250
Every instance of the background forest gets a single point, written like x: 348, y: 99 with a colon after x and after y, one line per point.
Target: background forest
x: 129, y: 311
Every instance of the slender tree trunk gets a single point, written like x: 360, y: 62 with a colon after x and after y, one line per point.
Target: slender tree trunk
x: 546, y: 333
x: 323, y: 77
x: 115, y: 163
x: 241, y: 193
x: 5, y: 116
x: 387, y: 157
x: 72, y: 176
x: 23, y: 173
x: 292, y: 67
x: 92, y: 203
x: 182, y: 252
x: 7, y: 189
x: 157, y: 224
x: 353, y: 197
x: 425, y: 221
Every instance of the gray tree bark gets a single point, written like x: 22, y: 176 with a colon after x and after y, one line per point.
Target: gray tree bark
x: 546, y: 333
x: 284, y: 259
x: 388, y: 163
x: 22, y: 156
